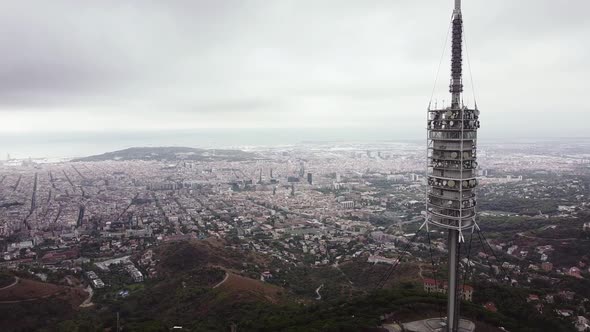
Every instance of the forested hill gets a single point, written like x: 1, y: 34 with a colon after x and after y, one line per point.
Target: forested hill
x: 171, y: 153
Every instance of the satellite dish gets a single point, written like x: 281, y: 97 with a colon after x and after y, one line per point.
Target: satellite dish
x: 448, y: 114
x: 465, y: 155
x: 451, y: 123
x: 465, y: 183
x: 472, y: 182
x: 444, y: 183
x: 453, y: 155
x: 476, y: 112
x: 451, y: 183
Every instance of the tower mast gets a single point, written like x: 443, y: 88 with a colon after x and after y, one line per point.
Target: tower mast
x: 452, y: 140
x: 456, y: 85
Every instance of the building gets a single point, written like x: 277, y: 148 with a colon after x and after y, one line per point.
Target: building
x: 265, y: 276
x: 95, y: 281
x: 490, y: 306
x: 546, y: 266
x: 21, y: 245
x: 162, y: 186
x: 440, y: 286
x: 575, y: 272
x: 135, y: 274
x: 347, y: 204
x: 301, y: 169
x: 533, y: 298
x: 56, y: 256
x: 375, y: 259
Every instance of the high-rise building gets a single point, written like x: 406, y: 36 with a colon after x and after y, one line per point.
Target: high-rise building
x: 309, y: 178
x: 452, y: 140
x: 301, y: 169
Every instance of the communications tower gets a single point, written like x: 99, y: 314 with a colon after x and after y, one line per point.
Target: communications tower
x: 452, y: 145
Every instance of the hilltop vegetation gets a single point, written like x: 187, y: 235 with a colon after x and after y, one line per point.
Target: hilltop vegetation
x: 171, y: 153
x: 204, y: 286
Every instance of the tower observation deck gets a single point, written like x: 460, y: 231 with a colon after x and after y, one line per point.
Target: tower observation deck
x: 452, y: 167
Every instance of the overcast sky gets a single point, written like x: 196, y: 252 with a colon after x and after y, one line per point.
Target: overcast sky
x: 145, y: 65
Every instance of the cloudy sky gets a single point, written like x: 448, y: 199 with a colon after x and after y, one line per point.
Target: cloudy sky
x: 71, y: 66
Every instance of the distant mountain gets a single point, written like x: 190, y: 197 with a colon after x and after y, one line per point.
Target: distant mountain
x: 172, y: 153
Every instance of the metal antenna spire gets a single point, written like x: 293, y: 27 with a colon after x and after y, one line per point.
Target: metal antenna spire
x: 456, y: 85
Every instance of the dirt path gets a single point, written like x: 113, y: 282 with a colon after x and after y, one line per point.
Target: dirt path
x: 317, y: 291
x: 222, y: 281
x: 30, y: 300
x: 88, y: 302
x: 16, y: 279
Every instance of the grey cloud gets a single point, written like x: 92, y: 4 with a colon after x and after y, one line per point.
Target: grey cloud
x: 256, y: 57
x: 223, y: 106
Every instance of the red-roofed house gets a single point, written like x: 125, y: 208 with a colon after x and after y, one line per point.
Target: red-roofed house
x: 440, y: 286
x: 546, y: 266
x: 54, y: 257
x: 490, y: 306
x: 533, y: 298
x: 574, y: 272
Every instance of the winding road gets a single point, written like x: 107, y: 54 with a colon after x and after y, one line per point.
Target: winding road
x: 317, y: 291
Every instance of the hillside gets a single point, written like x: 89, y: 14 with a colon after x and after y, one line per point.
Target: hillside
x: 41, y: 303
x: 170, y: 153
x: 208, y: 285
